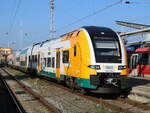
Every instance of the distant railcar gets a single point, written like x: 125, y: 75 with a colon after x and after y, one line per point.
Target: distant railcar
x: 140, y: 61
x: 92, y: 58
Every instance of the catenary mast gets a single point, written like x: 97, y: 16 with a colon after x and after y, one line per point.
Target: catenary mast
x: 52, y: 20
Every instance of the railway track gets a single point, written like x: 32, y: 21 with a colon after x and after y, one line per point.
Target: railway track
x: 120, y: 105
x: 50, y: 108
x: 8, y: 101
x: 66, y: 102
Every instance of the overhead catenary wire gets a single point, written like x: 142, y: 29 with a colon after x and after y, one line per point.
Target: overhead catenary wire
x: 90, y: 15
x: 12, y: 9
x: 14, y: 17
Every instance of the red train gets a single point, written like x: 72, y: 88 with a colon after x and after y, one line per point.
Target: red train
x: 140, y: 60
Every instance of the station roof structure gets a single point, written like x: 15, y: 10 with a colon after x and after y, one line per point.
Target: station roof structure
x: 141, y: 28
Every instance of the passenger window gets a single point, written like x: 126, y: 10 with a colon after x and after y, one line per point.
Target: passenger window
x: 32, y: 58
x: 75, y: 50
x: 18, y: 59
x: 145, y: 59
x: 53, y: 62
x: 65, y: 56
x: 35, y: 58
x: 149, y: 59
x: 48, y: 62
x: 45, y: 61
x: 29, y: 59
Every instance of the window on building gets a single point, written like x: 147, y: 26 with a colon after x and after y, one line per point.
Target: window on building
x: 65, y: 56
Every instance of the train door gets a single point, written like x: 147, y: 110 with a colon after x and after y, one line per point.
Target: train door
x: 134, y: 61
x: 58, y: 63
x: 38, y: 63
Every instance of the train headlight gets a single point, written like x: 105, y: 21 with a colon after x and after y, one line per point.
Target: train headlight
x: 121, y: 67
x: 97, y: 67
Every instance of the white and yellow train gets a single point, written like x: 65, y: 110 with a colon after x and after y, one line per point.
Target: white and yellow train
x: 93, y: 58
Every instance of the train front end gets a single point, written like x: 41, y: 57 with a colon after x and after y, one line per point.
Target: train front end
x: 109, y: 59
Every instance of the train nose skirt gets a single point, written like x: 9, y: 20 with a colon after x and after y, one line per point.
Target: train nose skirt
x: 107, y: 90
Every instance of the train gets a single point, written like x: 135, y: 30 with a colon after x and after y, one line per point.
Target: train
x: 139, y: 64
x: 92, y: 58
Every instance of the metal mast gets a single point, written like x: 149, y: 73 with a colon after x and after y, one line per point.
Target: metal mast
x: 52, y: 20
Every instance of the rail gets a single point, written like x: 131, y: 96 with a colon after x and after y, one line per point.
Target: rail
x: 45, y: 103
x: 19, y: 107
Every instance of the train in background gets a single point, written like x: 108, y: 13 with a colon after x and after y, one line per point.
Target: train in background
x: 139, y: 52
x: 139, y: 59
x: 92, y: 58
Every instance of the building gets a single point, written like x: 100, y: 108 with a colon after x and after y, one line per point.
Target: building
x: 4, y: 52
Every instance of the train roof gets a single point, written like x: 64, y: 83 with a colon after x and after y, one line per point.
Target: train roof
x: 142, y: 50
x: 90, y: 30
x: 96, y: 30
x: 99, y: 28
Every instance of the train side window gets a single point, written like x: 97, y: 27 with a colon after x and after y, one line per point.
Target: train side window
x: 135, y: 62
x: 35, y: 58
x: 26, y: 60
x: 65, y: 57
x: 41, y: 62
x: 32, y: 58
x: 29, y: 58
x: 53, y: 62
x: 18, y: 59
x: 149, y: 59
x: 38, y: 59
x: 75, y: 50
x: 45, y: 62
x: 48, y: 62
x: 139, y: 59
x: 145, y: 59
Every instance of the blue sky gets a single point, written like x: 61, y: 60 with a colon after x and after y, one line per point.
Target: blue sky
x: 32, y: 19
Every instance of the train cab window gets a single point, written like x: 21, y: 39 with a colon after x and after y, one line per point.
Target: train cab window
x: 53, y: 62
x: 65, y: 56
x: 75, y: 50
x: 48, y: 62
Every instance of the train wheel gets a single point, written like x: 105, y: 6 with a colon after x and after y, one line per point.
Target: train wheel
x: 70, y: 82
x: 125, y: 93
x: 84, y: 91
